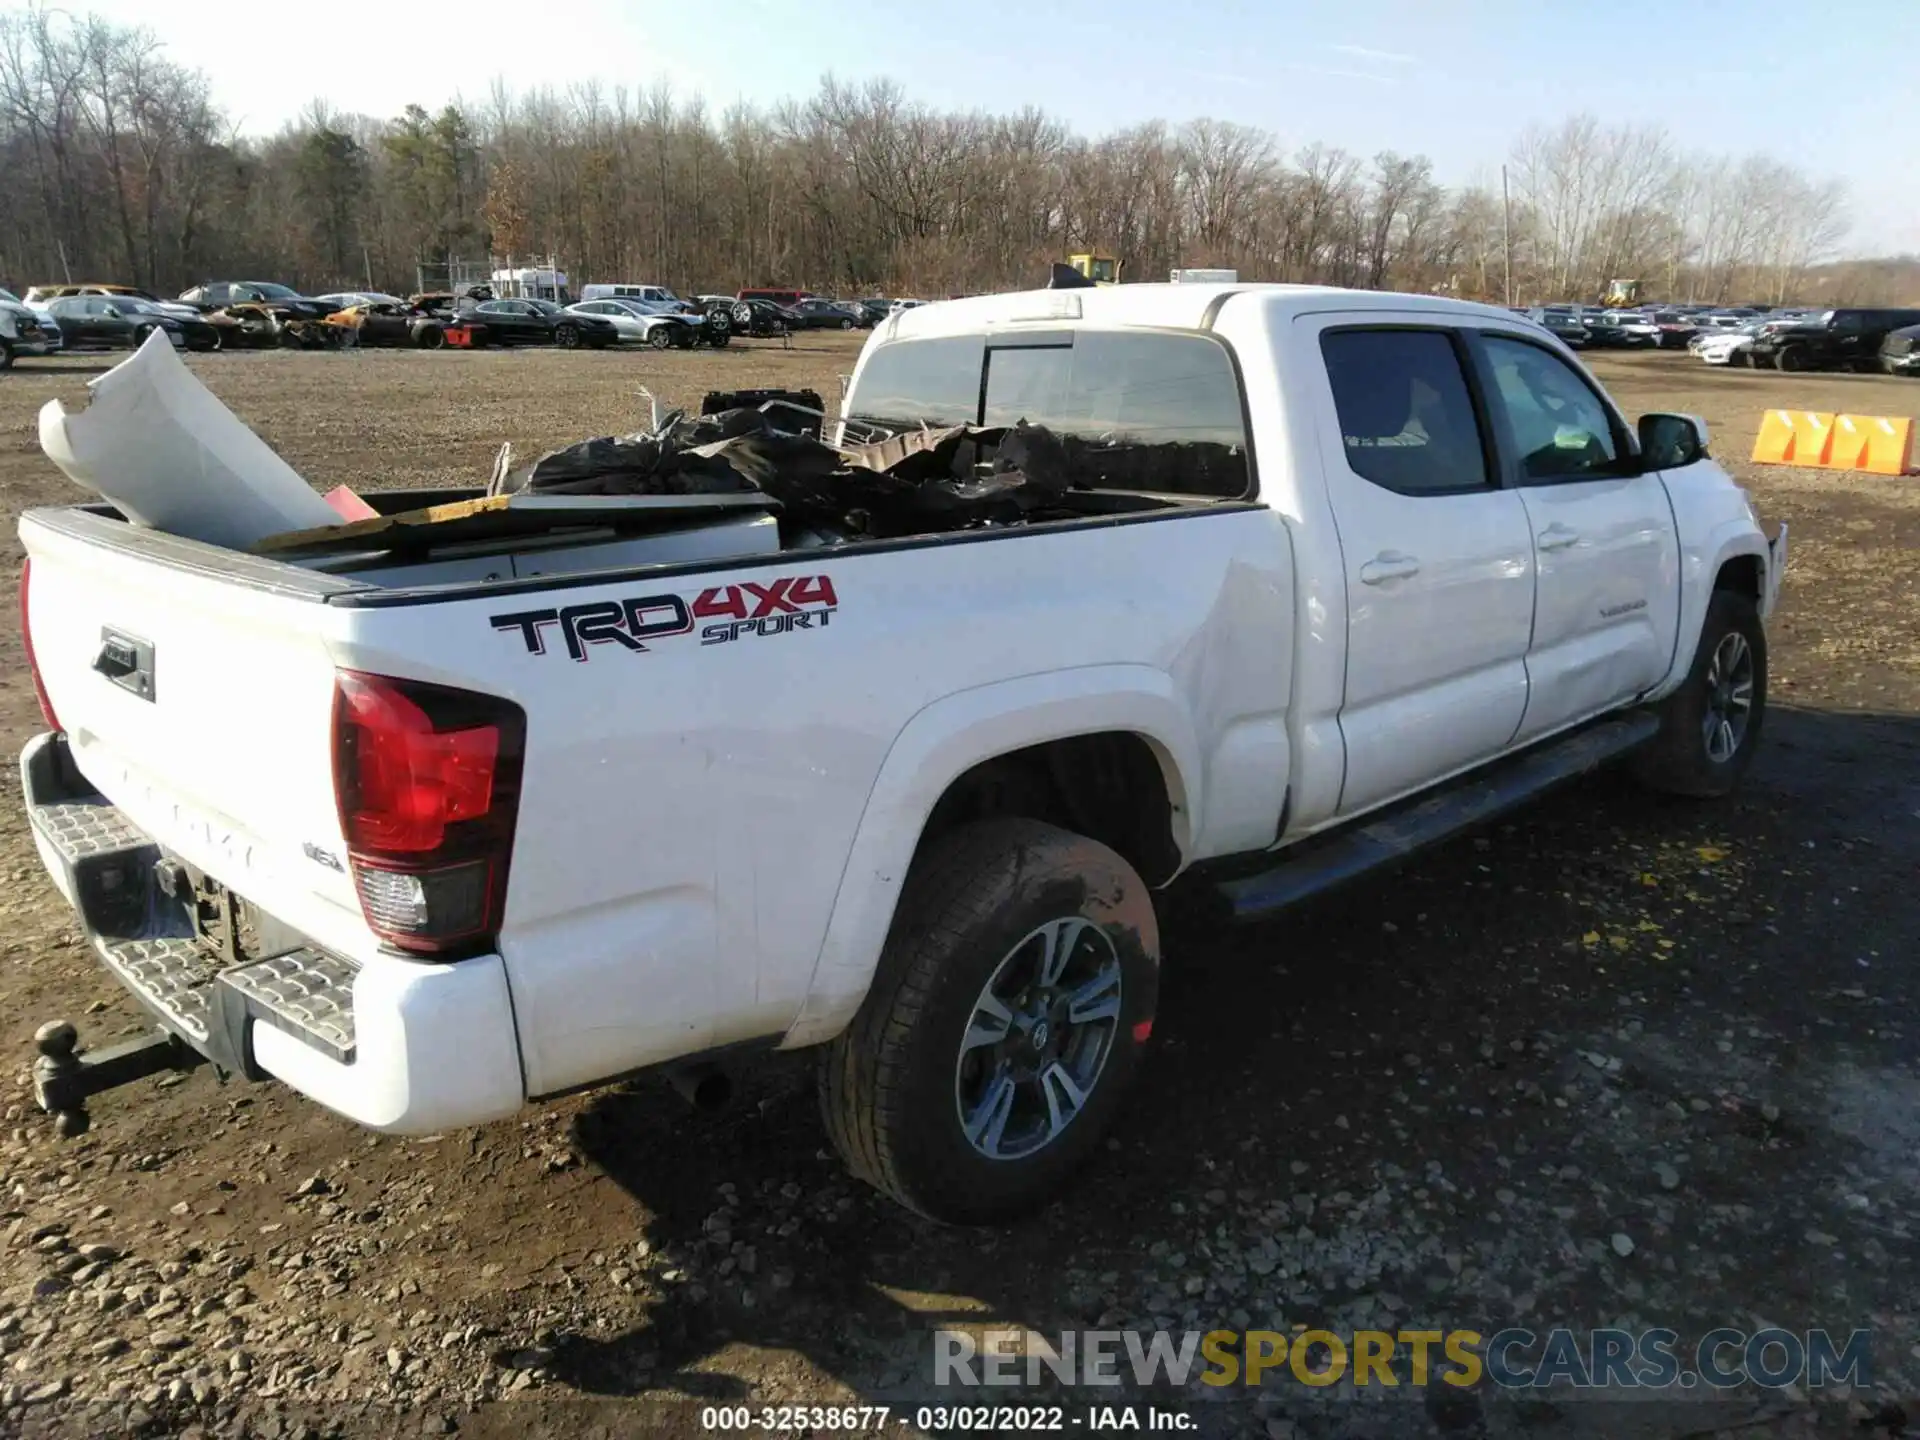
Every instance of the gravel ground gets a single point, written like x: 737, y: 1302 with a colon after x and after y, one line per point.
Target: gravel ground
x: 1612, y: 1062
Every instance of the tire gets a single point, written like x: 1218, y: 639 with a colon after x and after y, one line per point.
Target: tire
x: 142, y: 334
x: 660, y: 338
x: 719, y: 339
x: 6, y: 355
x: 743, y: 317
x: 1792, y: 358
x: 978, y: 908
x: 1681, y: 759
x: 567, y: 337
x: 846, y: 324
x: 431, y: 337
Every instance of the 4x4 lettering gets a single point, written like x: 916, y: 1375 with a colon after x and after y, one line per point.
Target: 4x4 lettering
x: 772, y: 598
x: 722, y: 600
x: 812, y: 590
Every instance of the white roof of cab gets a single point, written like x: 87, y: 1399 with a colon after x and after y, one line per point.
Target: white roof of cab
x: 1180, y: 307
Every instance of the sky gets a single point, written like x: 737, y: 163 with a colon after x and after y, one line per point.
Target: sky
x: 1455, y: 80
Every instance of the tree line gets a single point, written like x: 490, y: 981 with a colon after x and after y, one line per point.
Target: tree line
x: 122, y: 166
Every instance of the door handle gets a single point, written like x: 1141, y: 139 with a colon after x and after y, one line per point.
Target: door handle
x: 1558, y: 537
x: 1389, y: 565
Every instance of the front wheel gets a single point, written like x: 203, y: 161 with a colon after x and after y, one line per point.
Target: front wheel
x: 719, y: 339
x: 567, y: 337
x: 1793, y: 357
x: 659, y: 337
x: 1710, y: 726
x: 1009, y: 1011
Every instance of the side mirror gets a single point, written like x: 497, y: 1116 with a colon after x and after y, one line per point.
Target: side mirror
x: 1672, y: 442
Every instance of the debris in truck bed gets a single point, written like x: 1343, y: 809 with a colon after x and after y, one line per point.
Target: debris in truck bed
x: 918, y: 481
x: 155, y: 442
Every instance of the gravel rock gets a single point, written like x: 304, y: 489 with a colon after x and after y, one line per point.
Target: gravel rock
x: 1622, y: 1244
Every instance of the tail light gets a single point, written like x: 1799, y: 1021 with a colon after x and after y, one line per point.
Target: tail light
x: 427, y: 779
x: 26, y: 639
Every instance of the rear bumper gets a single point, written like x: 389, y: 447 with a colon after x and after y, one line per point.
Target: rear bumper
x: 394, y: 1044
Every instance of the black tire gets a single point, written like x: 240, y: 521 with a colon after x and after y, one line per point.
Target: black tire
x: 1792, y: 358
x: 430, y: 337
x: 567, y: 337
x: 6, y: 355
x: 973, y: 904
x: 719, y: 339
x: 846, y: 324
x: 743, y: 316
x: 660, y: 338
x: 1679, y: 761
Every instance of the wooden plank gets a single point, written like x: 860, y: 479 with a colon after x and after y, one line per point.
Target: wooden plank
x: 503, y: 516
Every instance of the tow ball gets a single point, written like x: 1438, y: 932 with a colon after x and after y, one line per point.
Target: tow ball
x: 64, y: 1078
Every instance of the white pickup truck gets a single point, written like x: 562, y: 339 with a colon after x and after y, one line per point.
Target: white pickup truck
x: 1339, y: 573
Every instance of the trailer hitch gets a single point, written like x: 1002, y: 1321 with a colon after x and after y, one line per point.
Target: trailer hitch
x: 64, y: 1079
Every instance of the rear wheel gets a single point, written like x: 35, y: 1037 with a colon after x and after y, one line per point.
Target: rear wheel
x: 846, y: 324
x: 659, y: 337
x: 430, y: 337
x: 1010, y: 1008
x: 1710, y: 726
x: 719, y: 338
x: 567, y: 337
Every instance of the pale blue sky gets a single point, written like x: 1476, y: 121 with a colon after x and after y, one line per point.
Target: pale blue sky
x: 1826, y: 86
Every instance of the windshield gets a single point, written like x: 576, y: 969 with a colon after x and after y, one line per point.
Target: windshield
x: 132, y: 305
x: 545, y: 307
x: 272, y: 291
x: 8, y: 295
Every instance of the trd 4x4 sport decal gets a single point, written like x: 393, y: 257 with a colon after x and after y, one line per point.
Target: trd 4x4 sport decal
x: 779, y: 607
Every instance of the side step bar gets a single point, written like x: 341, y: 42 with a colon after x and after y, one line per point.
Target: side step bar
x: 1322, y: 864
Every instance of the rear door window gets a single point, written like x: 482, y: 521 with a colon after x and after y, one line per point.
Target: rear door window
x: 1139, y: 410
x: 1407, y: 421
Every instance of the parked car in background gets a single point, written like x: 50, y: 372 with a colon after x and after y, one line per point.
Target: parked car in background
x: 219, y: 294
x: 392, y: 322
x: 814, y: 313
x: 542, y: 322
x: 1636, y: 327
x: 776, y: 297
x: 1900, y: 351
x: 347, y: 299
x: 1725, y: 347
x: 877, y: 308
x: 635, y: 324
x: 123, y: 322
x: 1561, y: 322
x: 1676, y: 328
x: 760, y: 319
x: 627, y: 292
x: 1833, y: 340
x: 901, y: 305
x: 25, y: 331
x: 41, y: 296
x: 1604, y: 332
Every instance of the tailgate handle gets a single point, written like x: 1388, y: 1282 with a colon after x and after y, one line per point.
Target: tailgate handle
x: 126, y: 661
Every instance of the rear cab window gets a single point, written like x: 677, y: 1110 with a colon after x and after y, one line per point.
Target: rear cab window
x: 1155, y: 412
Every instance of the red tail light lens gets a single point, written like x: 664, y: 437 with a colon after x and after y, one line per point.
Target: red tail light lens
x: 427, y: 779
x: 26, y: 639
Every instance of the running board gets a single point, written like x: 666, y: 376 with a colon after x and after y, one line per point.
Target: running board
x: 1322, y: 864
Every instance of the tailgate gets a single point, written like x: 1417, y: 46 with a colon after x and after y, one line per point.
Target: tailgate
x: 201, y: 705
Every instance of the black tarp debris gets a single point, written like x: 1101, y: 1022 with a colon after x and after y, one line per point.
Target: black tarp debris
x: 917, y: 482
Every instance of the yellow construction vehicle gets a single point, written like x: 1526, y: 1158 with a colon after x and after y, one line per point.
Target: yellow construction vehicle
x: 1621, y: 292
x: 1100, y: 269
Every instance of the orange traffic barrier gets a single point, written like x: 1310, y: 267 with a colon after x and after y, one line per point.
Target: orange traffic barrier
x: 1793, y: 437
x: 1877, y: 444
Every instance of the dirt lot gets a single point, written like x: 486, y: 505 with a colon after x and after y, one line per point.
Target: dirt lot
x: 1615, y: 1062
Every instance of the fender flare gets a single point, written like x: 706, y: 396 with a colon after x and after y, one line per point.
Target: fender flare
x: 940, y: 743
x: 1700, y: 565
